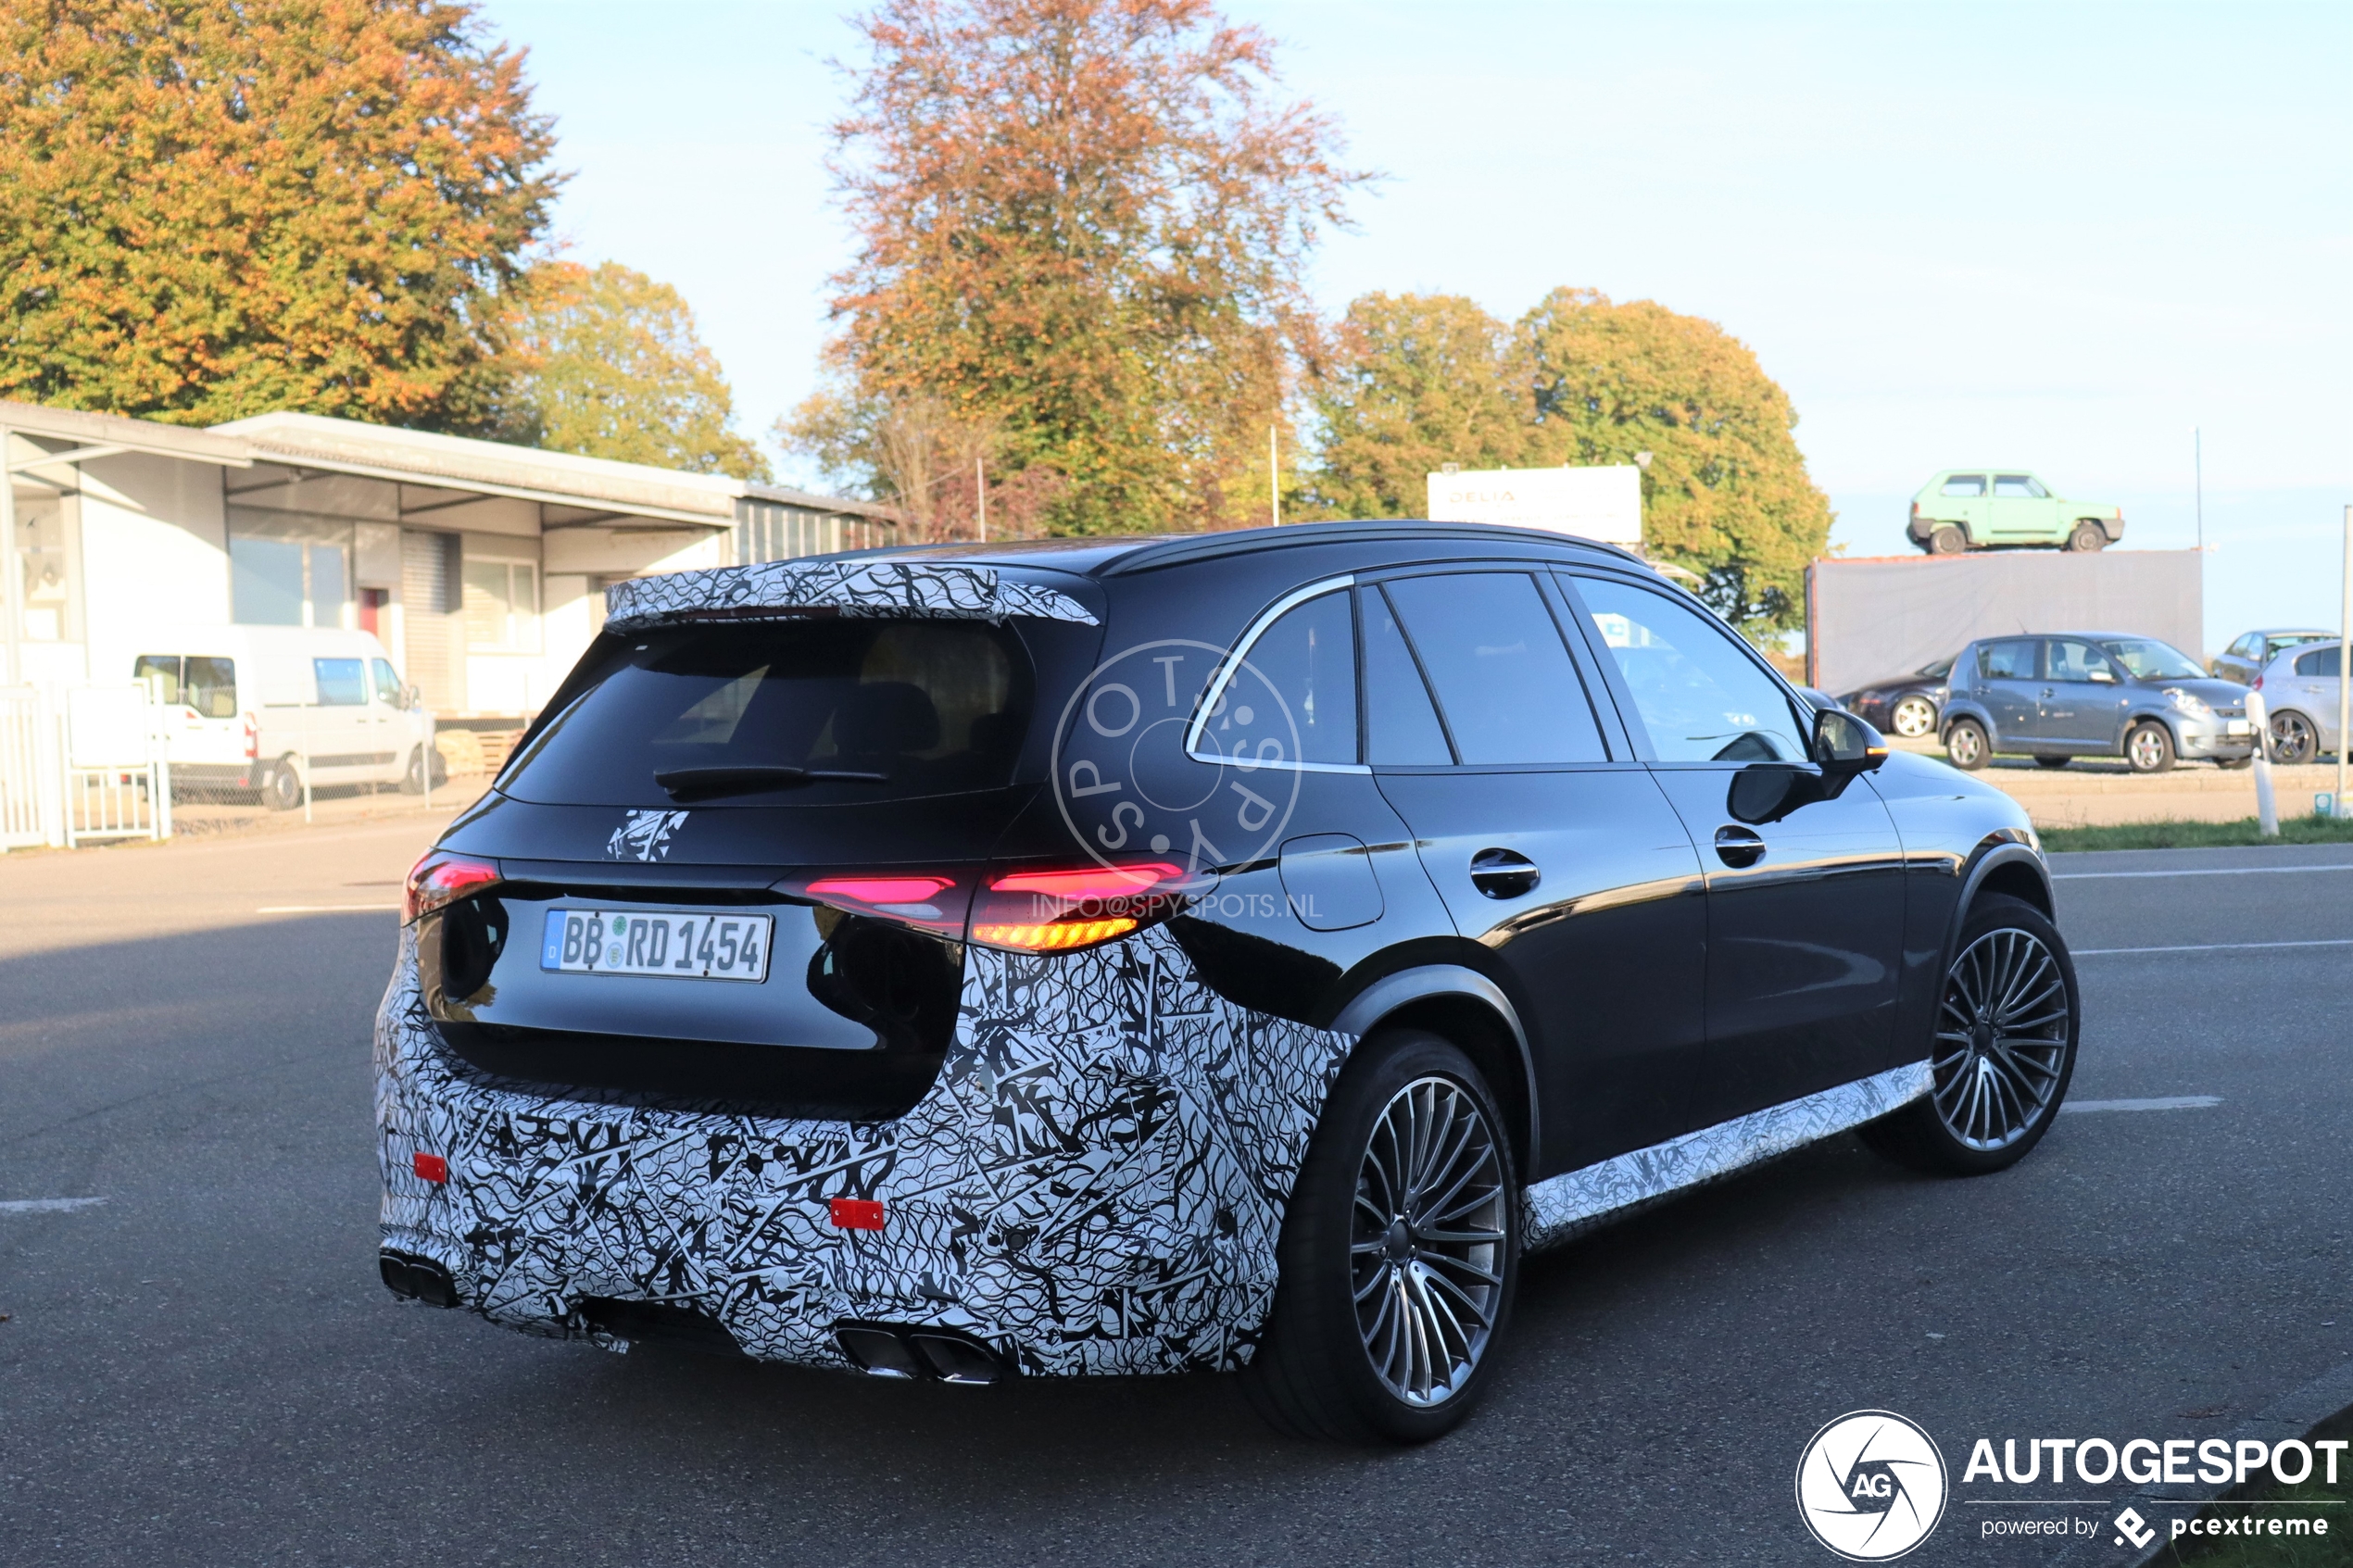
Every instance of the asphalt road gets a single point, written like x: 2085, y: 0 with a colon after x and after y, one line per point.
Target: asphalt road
x: 202, y: 1368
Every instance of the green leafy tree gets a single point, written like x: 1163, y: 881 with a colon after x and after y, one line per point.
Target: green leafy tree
x: 210, y: 209
x: 1081, y: 228
x: 1417, y: 382
x: 607, y: 365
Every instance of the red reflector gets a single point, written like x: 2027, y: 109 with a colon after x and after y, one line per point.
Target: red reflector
x: 858, y: 1214
x: 433, y: 1166
x: 881, y: 889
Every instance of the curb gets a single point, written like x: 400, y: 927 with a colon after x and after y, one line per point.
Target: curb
x: 2299, y: 1415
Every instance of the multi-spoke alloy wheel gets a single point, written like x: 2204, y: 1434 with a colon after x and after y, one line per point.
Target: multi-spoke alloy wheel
x: 1427, y: 1259
x: 2004, y: 1040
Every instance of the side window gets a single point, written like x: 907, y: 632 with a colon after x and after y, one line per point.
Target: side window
x: 1308, y: 657
x: 1400, y: 727
x: 1505, y: 683
x: 2016, y: 487
x: 343, y: 682
x: 388, y: 687
x: 2071, y: 660
x: 2243, y: 648
x: 164, y: 665
x: 1964, y: 484
x: 1700, y: 695
x: 212, y: 687
x: 2320, y: 662
x: 2011, y: 660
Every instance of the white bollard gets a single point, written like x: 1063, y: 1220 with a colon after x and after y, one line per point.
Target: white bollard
x: 2267, y: 811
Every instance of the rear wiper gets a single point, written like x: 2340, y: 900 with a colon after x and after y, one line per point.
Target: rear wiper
x: 681, y: 783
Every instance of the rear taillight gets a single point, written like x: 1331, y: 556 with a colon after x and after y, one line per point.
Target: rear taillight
x: 1059, y: 910
x: 2258, y: 680
x: 253, y: 738
x: 439, y: 879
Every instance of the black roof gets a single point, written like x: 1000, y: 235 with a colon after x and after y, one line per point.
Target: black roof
x: 1124, y: 555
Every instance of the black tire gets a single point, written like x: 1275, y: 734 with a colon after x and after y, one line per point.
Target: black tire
x: 2294, y: 738
x: 412, y: 781
x: 2053, y: 762
x: 1947, y: 539
x: 2246, y: 761
x: 1967, y: 745
x: 2148, y: 748
x: 1924, y: 1134
x: 1313, y: 1375
x: 282, y: 786
x: 2087, y: 537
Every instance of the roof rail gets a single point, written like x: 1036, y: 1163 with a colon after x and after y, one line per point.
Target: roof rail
x: 1241, y: 541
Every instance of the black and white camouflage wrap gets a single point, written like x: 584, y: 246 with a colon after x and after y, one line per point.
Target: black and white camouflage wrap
x: 772, y: 590
x: 1094, y: 1183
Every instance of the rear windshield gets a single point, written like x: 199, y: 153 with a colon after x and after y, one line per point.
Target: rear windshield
x: 931, y: 707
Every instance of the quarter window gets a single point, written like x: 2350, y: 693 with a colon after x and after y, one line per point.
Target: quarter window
x: 1307, y: 659
x: 1505, y: 683
x: 1964, y: 484
x: 1700, y: 695
x: 2320, y: 662
x: 1401, y: 724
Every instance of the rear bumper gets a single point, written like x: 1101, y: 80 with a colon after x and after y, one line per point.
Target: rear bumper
x: 1095, y: 1182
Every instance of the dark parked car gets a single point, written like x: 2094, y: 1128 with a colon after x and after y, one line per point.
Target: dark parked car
x: 2091, y: 694
x: 1907, y: 706
x: 2252, y: 653
x: 1226, y: 952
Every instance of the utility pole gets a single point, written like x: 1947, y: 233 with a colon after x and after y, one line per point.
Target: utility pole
x: 980, y: 494
x: 2344, y: 669
x: 1274, y: 474
x: 2197, y: 449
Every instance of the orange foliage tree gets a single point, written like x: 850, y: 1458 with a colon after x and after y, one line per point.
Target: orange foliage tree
x: 209, y: 210
x: 1081, y: 226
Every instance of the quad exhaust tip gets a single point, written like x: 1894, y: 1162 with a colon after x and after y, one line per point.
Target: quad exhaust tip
x: 419, y: 1279
x: 904, y: 1351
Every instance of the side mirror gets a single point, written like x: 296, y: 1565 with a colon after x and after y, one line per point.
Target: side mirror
x: 413, y: 697
x: 1845, y: 745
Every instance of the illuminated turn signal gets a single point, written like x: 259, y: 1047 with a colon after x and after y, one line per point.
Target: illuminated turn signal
x: 1057, y: 937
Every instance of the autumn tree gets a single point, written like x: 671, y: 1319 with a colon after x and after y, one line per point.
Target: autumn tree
x: 209, y: 210
x: 1081, y: 227
x: 607, y: 365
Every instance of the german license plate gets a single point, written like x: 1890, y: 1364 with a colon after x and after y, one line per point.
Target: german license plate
x: 683, y: 946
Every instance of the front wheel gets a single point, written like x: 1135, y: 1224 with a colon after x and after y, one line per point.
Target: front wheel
x: 2294, y: 739
x: 2149, y: 747
x: 2004, y: 1049
x: 1398, y: 1254
x: 1914, y: 717
x: 1966, y: 745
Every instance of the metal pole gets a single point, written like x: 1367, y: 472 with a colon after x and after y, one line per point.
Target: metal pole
x: 2267, y: 810
x: 1275, y: 474
x: 2344, y: 666
x: 12, y: 592
x: 980, y: 490
x: 2197, y: 447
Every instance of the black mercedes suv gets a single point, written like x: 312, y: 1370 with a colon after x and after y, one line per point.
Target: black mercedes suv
x: 1230, y: 951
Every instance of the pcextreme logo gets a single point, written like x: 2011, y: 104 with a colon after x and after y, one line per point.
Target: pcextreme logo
x: 1872, y: 1486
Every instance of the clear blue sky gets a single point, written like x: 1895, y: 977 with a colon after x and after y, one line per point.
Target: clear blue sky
x: 2050, y: 234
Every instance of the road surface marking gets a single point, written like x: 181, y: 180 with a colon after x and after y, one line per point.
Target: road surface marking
x: 2201, y: 871
x: 45, y: 1205
x: 328, y: 909
x: 2177, y: 1102
x: 2213, y: 947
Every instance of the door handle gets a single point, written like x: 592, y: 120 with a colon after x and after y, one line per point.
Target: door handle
x: 1504, y: 873
x: 1739, y: 847
x: 2048, y: 692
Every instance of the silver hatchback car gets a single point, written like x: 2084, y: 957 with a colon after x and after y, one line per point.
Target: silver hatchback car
x: 2299, y: 691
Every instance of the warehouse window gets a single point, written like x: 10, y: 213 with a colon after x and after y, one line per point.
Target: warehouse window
x: 502, y: 606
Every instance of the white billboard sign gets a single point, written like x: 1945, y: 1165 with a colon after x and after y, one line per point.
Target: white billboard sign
x: 1595, y: 503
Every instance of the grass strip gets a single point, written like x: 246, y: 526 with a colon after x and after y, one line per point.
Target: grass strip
x: 2196, y: 835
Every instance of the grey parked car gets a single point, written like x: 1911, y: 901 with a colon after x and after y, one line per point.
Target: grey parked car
x: 2253, y: 653
x: 2299, y: 691
x: 2091, y: 694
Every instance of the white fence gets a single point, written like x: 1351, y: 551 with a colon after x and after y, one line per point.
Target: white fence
x: 83, y: 763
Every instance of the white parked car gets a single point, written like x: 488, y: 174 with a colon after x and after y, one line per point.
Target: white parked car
x: 2299, y: 690
x: 257, y: 705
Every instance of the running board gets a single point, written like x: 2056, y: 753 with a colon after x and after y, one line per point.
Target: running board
x: 1562, y: 1207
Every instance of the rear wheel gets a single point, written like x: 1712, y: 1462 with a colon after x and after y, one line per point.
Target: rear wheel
x: 1399, y: 1255
x: 2002, y: 1051
x: 1914, y: 717
x: 2294, y: 739
x: 282, y: 786
x: 1947, y: 540
x: 2148, y: 749
x: 2087, y: 537
x: 1966, y: 745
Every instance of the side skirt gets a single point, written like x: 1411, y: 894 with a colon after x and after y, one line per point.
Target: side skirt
x: 1559, y: 1208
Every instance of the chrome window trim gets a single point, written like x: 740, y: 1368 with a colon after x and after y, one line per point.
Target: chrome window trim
x: 1216, y: 691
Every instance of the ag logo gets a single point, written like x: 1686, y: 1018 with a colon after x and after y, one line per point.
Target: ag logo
x: 1872, y: 1486
x: 1120, y: 777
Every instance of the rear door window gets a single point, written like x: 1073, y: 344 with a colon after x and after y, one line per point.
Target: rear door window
x: 2320, y: 662
x: 1699, y: 692
x: 210, y: 685
x: 1508, y: 689
x: 160, y: 667
x: 916, y: 706
x: 2010, y: 660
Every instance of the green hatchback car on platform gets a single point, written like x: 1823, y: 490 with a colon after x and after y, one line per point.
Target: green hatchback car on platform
x: 1980, y: 508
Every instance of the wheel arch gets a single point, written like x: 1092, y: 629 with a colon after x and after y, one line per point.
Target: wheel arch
x: 1472, y: 1011
x: 2002, y: 865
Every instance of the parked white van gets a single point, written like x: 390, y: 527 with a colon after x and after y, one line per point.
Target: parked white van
x: 258, y: 703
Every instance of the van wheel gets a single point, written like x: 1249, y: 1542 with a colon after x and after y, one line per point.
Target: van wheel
x: 2004, y: 1049
x: 1398, y: 1256
x: 282, y: 788
x: 1947, y: 540
x: 1966, y: 745
x: 2149, y: 747
x: 413, y: 781
x: 2087, y: 537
